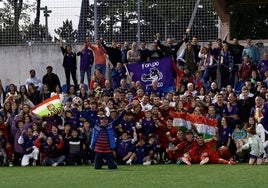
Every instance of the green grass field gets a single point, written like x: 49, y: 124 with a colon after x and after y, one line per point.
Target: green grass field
x: 166, y: 176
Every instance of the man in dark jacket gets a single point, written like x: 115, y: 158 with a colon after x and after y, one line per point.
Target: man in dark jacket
x: 51, y: 79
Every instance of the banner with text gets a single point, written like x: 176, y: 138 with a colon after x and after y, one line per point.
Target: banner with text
x: 49, y: 107
x: 160, y: 70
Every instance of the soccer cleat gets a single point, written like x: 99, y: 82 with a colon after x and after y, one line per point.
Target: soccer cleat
x: 232, y: 162
x: 186, y: 161
x: 55, y: 164
x: 147, y: 163
x: 129, y: 162
x: 204, y: 161
x: 179, y: 161
x: 34, y: 163
x: 169, y: 162
x: 116, y: 165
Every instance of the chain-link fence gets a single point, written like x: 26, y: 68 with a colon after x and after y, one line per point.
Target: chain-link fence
x: 43, y: 21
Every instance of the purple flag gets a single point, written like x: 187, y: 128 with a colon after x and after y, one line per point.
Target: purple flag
x: 160, y: 70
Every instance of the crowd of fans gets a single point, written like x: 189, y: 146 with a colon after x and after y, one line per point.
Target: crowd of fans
x: 113, y: 118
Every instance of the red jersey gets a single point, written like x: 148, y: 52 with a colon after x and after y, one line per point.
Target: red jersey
x: 181, y: 75
x: 185, y: 147
x: 138, y: 116
x: 199, y: 150
x: 5, y: 131
x: 163, y: 140
x: 165, y: 112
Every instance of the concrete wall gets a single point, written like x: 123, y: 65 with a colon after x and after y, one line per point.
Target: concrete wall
x: 17, y: 61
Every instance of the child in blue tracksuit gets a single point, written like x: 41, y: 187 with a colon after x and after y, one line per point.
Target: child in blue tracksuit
x: 103, y: 141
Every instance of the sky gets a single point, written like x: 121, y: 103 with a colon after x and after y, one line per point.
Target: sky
x: 61, y: 10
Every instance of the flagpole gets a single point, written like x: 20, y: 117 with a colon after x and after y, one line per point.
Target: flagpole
x: 129, y: 79
x: 193, y: 14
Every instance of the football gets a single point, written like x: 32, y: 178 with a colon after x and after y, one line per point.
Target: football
x: 77, y: 101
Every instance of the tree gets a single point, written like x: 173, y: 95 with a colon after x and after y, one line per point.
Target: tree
x: 35, y: 34
x: 17, y: 7
x: 67, y: 32
x: 83, y: 26
x: 249, y: 21
x: 12, y: 14
x: 118, y: 19
x: 36, y: 28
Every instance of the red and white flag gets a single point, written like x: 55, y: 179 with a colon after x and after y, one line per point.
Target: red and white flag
x: 203, y: 124
x: 48, y: 107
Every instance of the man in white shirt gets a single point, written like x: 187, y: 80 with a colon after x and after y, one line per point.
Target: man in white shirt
x: 35, y: 80
x: 145, y: 103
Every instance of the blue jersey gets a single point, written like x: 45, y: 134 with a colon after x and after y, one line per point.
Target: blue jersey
x: 141, y: 153
x: 123, y: 147
x: 148, y: 127
x: 226, y: 134
x: 231, y: 110
x: 128, y: 126
x: 28, y: 144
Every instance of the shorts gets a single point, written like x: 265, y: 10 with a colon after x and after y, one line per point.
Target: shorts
x: 256, y: 157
